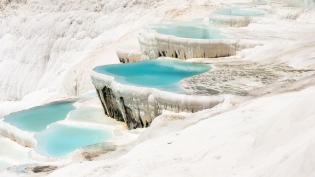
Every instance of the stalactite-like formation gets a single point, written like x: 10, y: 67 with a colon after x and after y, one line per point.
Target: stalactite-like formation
x: 156, y: 45
x: 137, y: 107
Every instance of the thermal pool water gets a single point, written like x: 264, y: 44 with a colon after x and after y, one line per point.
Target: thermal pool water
x: 54, y: 138
x: 160, y: 74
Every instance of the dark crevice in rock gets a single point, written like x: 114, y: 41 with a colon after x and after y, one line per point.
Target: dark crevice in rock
x: 118, y: 110
x: 100, y: 98
x: 124, y: 60
x: 176, y: 55
x: 111, y: 104
x: 129, y: 119
x: 138, y: 110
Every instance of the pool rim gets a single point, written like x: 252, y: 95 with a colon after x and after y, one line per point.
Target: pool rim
x: 206, y: 65
x: 220, y: 12
x: 152, y: 28
x: 148, y: 31
x: 112, y: 82
x: 67, y: 100
x: 118, y: 79
x: 150, y: 102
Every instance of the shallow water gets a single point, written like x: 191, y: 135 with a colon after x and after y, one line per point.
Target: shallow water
x: 53, y: 138
x: 88, y: 115
x: 59, y: 139
x: 189, y: 31
x: 38, y: 118
x: 235, y: 11
x: 161, y: 74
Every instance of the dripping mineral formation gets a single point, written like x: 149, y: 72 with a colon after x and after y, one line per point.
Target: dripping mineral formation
x: 138, y: 106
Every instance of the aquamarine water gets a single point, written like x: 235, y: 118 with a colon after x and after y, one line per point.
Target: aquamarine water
x: 235, y: 11
x: 160, y: 74
x: 38, y: 118
x: 189, y: 31
x: 59, y: 139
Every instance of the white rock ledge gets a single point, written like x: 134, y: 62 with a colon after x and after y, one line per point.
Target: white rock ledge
x: 129, y: 56
x: 138, y: 106
x: 233, y: 21
x: 156, y: 45
x: 21, y: 137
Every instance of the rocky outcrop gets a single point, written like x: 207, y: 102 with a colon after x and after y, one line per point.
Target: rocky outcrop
x: 138, y: 106
x: 156, y: 45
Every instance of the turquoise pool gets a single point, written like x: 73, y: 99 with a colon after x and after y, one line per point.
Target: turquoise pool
x: 235, y: 11
x: 160, y: 74
x: 189, y: 31
x: 53, y: 138
x: 59, y: 139
x: 38, y: 118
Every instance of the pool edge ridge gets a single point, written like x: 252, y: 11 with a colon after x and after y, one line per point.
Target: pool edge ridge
x: 21, y: 137
x: 232, y: 21
x: 154, y: 45
x: 138, y: 106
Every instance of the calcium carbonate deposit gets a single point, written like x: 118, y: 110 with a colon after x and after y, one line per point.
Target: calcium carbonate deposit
x: 238, y: 101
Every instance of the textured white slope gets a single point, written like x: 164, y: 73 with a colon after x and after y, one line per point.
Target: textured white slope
x: 16, y: 155
x: 41, y: 41
x: 270, y: 136
x: 47, y: 49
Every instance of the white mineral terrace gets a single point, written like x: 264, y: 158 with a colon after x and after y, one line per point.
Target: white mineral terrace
x: 138, y: 106
x: 235, y: 21
x: 235, y: 17
x: 251, y: 115
x: 129, y: 55
x: 154, y: 45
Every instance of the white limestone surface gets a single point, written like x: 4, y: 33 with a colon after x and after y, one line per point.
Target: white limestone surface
x: 156, y: 45
x: 144, y: 103
x: 271, y: 136
x: 129, y: 55
x: 21, y: 137
x: 233, y: 21
x: 12, y: 153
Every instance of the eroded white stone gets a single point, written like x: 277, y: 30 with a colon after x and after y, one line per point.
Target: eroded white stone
x: 138, y: 106
x: 156, y: 45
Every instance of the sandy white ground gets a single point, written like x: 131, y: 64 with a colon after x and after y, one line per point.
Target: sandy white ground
x: 50, y: 47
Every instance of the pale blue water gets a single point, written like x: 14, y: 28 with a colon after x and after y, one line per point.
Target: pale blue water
x: 38, y: 118
x: 235, y: 11
x: 59, y: 139
x: 161, y: 74
x: 189, y: 31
